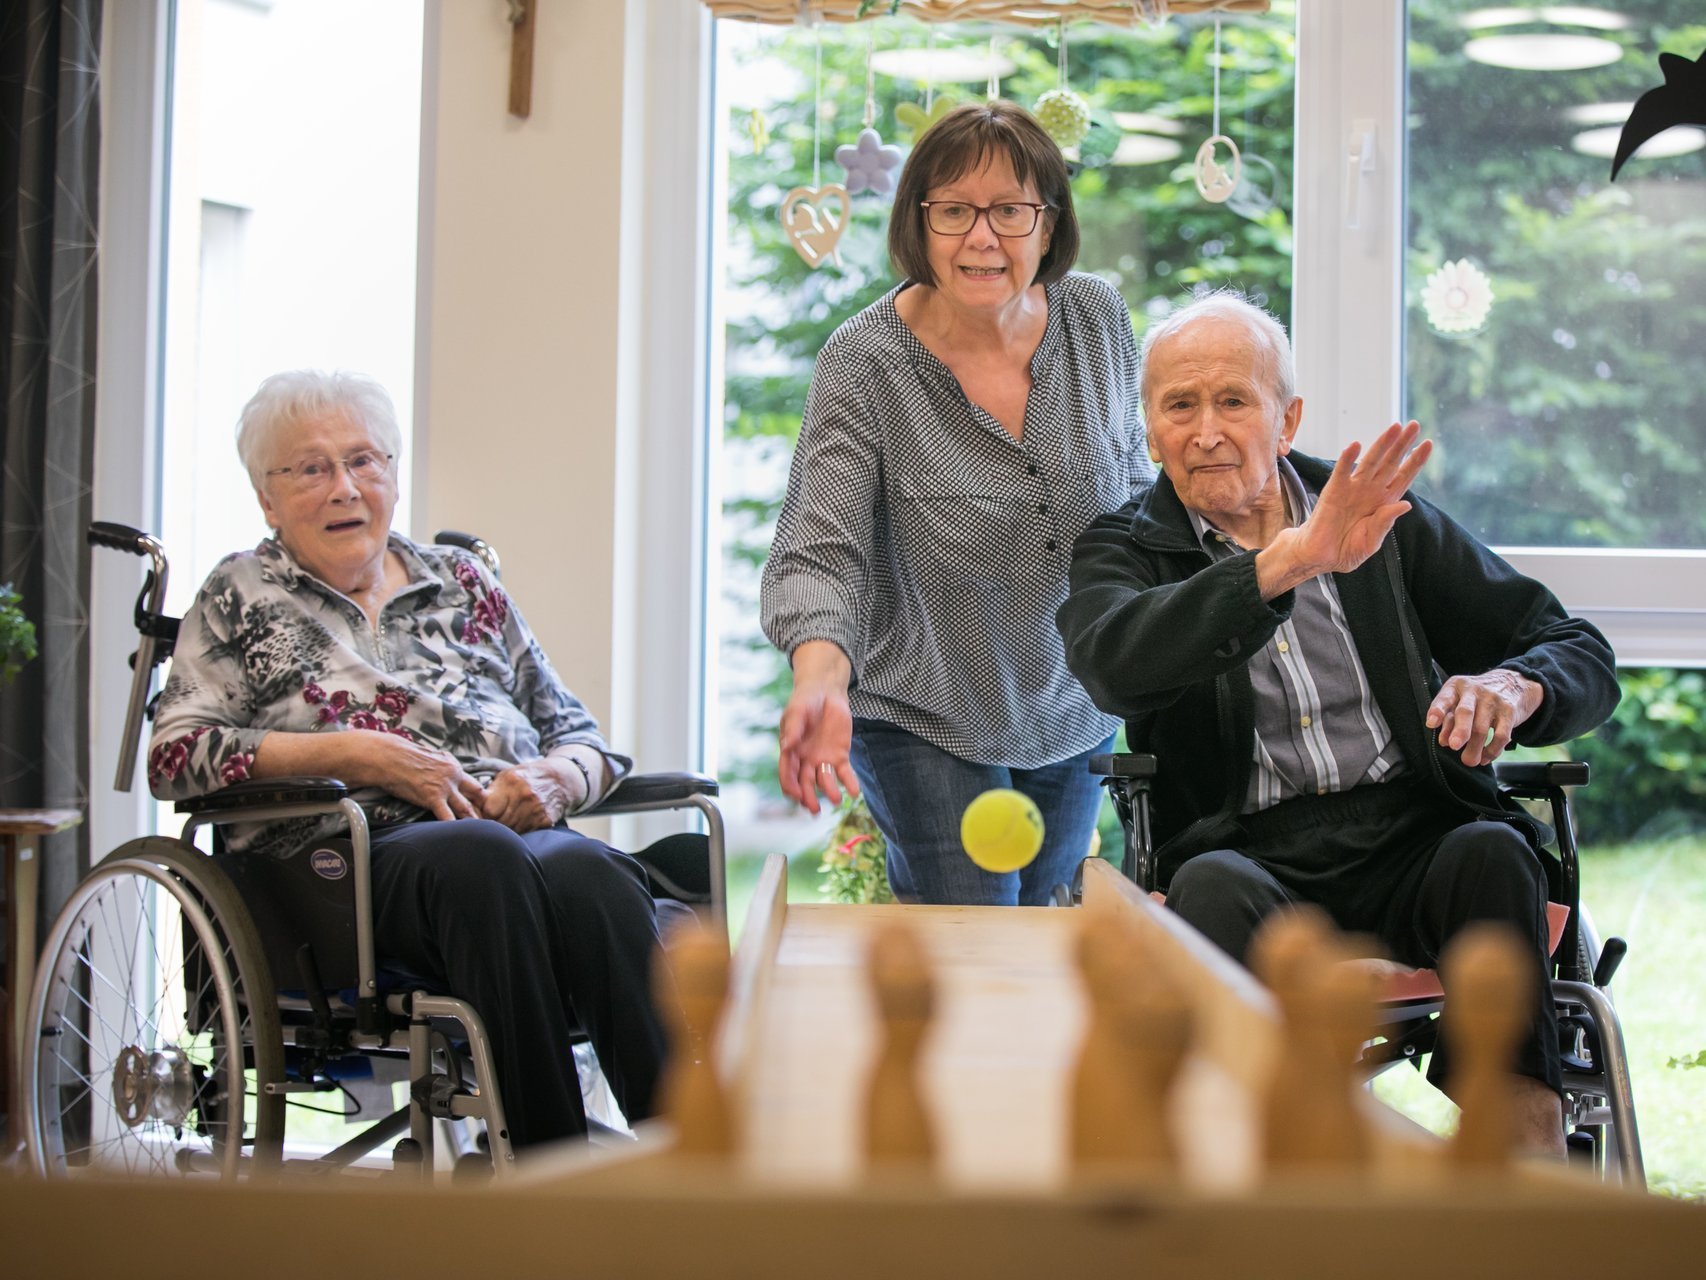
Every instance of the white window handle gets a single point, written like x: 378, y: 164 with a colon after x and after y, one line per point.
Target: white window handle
x: 1359, y: 167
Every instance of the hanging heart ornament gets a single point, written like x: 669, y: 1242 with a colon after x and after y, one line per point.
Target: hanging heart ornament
x: 814, y: 218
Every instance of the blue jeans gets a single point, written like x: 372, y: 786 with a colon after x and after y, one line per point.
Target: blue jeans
x: 917, y: 793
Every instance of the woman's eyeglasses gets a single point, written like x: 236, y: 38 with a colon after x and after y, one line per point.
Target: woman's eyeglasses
x: 1012, y: 221
x: 318, y: 472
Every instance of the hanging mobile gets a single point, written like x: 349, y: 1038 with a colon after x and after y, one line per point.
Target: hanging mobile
x: 870, y: 163
x: 1216, y: 181
x: 1064, y: 115
x: 814, y: 217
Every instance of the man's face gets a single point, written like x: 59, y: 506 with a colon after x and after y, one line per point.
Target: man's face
x: 1214, y: 419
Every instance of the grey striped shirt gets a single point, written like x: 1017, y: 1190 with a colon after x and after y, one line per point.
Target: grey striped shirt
x: 932, y: 547
x: 1318, y: 728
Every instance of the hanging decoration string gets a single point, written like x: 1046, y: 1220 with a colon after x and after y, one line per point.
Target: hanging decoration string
x: 929, y: 70
x: 1216, y: 74
x: 1060, y: 63
x: 870, y: 80
x: 1216, y: 181
x: 993, y: 89
x: 817, y: 100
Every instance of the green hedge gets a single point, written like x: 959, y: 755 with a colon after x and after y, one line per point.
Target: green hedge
x: 1649, y: 760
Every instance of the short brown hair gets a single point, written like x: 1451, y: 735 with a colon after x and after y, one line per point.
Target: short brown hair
x: 963, y: 140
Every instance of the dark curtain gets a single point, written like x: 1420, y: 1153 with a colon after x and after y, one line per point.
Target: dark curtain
x: 50, y: 143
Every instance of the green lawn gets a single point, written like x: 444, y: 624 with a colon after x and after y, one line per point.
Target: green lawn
x: 1651, y: 895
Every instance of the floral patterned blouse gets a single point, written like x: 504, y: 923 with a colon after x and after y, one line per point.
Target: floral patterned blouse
x: 267, y: 645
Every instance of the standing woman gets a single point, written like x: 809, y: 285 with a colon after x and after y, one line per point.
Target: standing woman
x: 960, y: 433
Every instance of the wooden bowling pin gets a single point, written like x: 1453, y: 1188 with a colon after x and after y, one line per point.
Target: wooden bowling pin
x: 1486, y: 973
x: 1136, y: 1036
x: 692, y: 981
x: 897, y: 1123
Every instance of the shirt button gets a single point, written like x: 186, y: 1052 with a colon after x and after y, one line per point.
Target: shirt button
x: 1320, y: 791
x: 1283, y: 647
x: 1305, y: 722
x: 1220, y: 537
x: 1032, y: 468
x: 1042, y: 507
x: 1049, y: 545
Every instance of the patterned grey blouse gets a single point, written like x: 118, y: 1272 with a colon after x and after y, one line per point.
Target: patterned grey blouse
x: 932, y: 547
x: 267, y: 645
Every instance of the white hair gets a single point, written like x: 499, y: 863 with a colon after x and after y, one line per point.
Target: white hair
x: 1228, y: 304
x: 286, y: 400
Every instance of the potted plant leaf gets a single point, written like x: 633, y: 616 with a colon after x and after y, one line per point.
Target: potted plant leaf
x: 17, y: 634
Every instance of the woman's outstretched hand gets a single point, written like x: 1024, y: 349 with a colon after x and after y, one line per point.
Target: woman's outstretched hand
x: 817, y: 728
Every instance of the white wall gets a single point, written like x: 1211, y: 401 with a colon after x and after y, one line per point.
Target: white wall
x: 558, y: 341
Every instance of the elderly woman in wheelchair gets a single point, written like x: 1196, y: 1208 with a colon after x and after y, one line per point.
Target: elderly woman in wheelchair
x: 1324, y: 667
x: 339, y: 648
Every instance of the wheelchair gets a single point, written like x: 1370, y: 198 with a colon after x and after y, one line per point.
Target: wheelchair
x: 183, y: 998
x: 1599, y: 1102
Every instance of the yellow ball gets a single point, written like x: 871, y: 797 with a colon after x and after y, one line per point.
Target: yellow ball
x: 1001, y: 830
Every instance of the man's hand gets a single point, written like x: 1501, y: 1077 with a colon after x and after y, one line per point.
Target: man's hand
x: 1358, y: 506
x: 1470, y: 708
x: 817, y: 728
x: 535, y: 795
x: 421, y: 775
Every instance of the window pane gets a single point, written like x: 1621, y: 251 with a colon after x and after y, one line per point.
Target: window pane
x: 294, y: 167
x: 1145, y: 228
x: 1568, y: 410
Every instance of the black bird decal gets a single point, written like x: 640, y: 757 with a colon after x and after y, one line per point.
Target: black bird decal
x: 1681, y: 99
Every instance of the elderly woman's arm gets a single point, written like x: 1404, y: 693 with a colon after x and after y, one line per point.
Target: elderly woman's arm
x: 205, y: 737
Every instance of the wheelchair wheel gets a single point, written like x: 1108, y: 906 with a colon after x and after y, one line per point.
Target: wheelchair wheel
x: 155, y: 1025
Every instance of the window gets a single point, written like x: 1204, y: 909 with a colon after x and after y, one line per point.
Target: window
x: 1565, y: 420
x: 1145, y: 229
x: 291, y: 235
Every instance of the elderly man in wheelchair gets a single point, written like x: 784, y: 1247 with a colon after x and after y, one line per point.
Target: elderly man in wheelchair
x: 1324, y: 667
x: 339, y: 649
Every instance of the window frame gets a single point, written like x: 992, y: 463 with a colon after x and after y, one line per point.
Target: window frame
x: 1349, y: 317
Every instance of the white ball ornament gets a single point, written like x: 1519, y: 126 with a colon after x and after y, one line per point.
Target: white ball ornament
x: 1064, y: 116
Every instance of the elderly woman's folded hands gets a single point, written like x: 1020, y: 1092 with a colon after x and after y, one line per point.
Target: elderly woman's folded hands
x: 422, y: 775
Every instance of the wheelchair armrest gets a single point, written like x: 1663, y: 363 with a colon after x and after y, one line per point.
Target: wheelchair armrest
x: 266, y: 791
x: 1123, y: 765
x: 1541, y: 773
x: 651, y: 791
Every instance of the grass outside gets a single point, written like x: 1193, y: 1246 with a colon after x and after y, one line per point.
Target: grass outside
x: 1652, y: 895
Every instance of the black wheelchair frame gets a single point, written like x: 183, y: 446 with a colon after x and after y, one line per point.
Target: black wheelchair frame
x: 1599, y: 1097
x: 212, y: 1031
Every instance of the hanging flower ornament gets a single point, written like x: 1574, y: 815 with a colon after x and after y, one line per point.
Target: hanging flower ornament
x: 870, y: 163
x: 1064, y: 115
x: 1457, y: 298
x: 914, y: 119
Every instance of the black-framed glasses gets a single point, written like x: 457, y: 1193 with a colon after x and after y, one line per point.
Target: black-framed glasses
x: 1011, y: 220
x: 319, y: 471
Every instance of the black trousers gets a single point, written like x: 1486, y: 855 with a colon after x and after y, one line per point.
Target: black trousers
x: 541, y: 933
x: 1387, y: 860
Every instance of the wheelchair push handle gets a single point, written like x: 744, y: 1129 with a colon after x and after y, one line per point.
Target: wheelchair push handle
x: 468, y: 542
x: 149, y: 652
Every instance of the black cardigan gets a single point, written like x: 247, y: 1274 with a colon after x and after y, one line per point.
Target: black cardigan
x: 1161, y: 634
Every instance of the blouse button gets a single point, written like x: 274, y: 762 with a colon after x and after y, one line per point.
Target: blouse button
x: 1305, y: 722
x: 1042, y: 507
x: 1049, y: 545
x: 1283, y: 647
x: 1032, y: 468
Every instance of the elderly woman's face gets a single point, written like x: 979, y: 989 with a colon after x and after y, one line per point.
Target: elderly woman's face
x: 1213, y: 417
x: 332, y: 518
x: 977, y: 269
